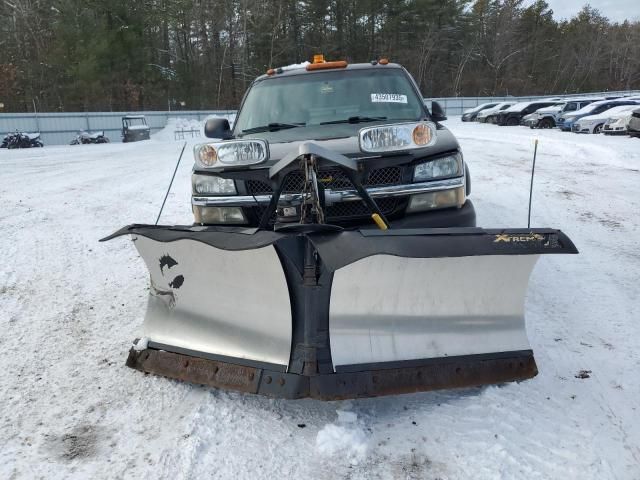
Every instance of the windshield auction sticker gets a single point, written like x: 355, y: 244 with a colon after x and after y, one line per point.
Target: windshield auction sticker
x: 388, y: 98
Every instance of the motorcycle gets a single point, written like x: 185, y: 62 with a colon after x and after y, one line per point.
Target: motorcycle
x: 84, y: 138
x: 21, y: 140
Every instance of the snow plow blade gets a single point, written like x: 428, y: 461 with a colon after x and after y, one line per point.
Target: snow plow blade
x: 338, y: 314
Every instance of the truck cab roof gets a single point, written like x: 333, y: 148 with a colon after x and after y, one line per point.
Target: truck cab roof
x: 301, y: 69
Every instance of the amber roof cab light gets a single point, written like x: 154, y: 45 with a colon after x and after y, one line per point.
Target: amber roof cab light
x: 383, y: 61
x: 319, y: 63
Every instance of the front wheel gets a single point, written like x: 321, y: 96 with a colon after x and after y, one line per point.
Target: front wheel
x: 547, y: 123
x: 598, y: 129
x: 512, y: 122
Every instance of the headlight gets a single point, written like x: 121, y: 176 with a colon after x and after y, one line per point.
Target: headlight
x: 217, y: 215
x: 231, y: 153
x: 401, y: 136
x: 212, y: 185
x: 435, y: 200
x: 450, y: 166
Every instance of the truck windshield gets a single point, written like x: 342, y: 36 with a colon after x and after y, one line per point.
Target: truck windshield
x: 351, y: 96
x: 135, y: 122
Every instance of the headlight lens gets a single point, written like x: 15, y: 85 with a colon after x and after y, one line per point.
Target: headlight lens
x: 401, y: 136
x: 213, y: 185
x: 217, y: 215
x: 450, y: 166
x: 231, y: 153
x: 435, y: 200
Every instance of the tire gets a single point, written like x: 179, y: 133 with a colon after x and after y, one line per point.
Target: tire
x: 512, y: 122
x: 598, y: 129
x: 547, y: 123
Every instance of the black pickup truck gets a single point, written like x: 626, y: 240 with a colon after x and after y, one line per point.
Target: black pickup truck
x: 372, y: 112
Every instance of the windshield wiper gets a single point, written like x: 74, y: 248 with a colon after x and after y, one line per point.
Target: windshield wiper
x: 354, y: 120
x: 273, y: 127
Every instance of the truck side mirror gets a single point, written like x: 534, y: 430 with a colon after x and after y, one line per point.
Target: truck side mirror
x: 217, y: 128
x: 437, y: 112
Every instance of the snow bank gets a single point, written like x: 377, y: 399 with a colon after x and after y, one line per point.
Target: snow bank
x: 71, y: 410
x: 345, y: 437
x: 167, y: 134
x: 231, y: 117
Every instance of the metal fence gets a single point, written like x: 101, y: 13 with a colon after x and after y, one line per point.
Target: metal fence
x: 61, y: 128
x: 457, y: 105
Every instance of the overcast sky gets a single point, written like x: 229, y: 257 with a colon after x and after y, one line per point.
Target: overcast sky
x: 615, y: 10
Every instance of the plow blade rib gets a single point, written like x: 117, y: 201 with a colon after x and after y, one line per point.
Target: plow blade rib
x: 338, y: 314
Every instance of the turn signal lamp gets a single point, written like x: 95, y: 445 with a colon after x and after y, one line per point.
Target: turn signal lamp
x: 208, y: 156
x: 421, y: 135
x: 231, y: 153
x: 396, y: 137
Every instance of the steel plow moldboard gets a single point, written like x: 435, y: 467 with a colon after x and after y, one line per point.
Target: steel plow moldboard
x: 338, y: 314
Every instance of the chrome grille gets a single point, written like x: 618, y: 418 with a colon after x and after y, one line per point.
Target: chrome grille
x: 332, y: 178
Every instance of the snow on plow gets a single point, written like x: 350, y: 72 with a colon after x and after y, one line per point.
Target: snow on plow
x: 334, y: 314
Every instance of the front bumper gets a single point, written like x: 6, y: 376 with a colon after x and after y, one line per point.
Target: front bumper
x: 345, y: 206
x: 609, y: 130
x: 580, y: 128
x: 331, y: 196
x: 464, y: 216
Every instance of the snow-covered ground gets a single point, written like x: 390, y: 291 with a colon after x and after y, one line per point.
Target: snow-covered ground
x: 70, y: 307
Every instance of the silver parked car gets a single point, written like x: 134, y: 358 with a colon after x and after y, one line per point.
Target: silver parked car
x: 595, y: 123
x: 634, y: 124
x: 471, y: 114
x: 617, y: 123
x: 488, y: 114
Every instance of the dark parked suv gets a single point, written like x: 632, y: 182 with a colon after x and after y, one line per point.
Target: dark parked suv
x: 513, y: 116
